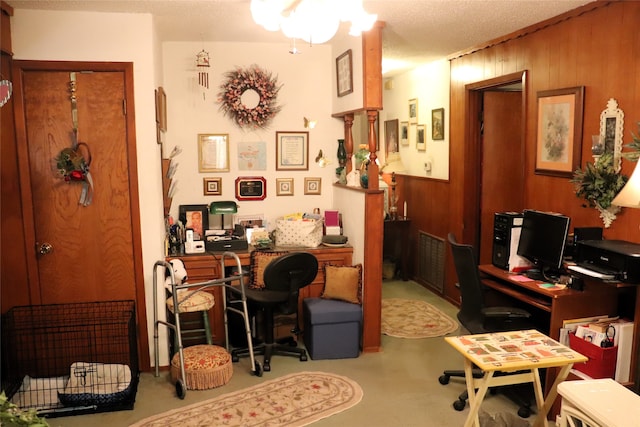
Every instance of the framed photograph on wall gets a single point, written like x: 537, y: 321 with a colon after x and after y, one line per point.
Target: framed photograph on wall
x: 559, y: 131
x: 212, y: 186
x: 413, y: 111
x: 251, y: 188
x: 421, y: 137
x: 391, y: 136
x: 344, y: 73
x: 213, y: 152
x: 404, y: 133
x: 312, y: 185
x: 437, y: 124
x: 284, y: 186
x: 292, y: 151
x: 195, y: 217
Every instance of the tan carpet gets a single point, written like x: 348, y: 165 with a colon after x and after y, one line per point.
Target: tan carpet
x: 292, y: 400
x: 405, y: 318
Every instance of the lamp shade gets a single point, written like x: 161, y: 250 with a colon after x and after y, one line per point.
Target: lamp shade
x: 223, y: 208
x: 393, y: 164
x: 629, y: 196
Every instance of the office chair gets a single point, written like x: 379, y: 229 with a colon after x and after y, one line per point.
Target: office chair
x: 283, y: 279
x: 477, y: 318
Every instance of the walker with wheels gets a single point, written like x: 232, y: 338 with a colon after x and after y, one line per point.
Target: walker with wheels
x: 237, y: 295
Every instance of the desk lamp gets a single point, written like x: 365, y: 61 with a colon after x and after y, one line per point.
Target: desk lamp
x: 222, y: 209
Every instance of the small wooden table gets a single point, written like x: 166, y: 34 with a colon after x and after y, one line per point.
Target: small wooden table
x: 527, y: 351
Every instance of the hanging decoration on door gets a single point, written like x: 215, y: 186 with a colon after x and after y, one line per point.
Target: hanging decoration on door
x: 73, y: 162
x: 6, y: 88
x: 202, y: 63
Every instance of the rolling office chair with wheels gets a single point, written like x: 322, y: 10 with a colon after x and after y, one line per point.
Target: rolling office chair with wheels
x: 283, y: 277
x: 477, y: 318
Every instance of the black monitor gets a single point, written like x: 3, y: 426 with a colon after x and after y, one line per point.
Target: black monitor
x: 542, y: 240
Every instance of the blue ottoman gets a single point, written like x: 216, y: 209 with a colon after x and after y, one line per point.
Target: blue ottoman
x: 332, y: 328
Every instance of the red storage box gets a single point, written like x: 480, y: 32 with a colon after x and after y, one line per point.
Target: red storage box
x: 602, y: 361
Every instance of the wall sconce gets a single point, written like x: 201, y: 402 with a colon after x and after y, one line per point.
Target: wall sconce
x: 310, y: 123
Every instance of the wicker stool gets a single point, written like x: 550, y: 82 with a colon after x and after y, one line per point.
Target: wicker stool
x: 205, y: 367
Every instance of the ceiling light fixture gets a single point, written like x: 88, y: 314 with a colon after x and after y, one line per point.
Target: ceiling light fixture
x: 314, y: 21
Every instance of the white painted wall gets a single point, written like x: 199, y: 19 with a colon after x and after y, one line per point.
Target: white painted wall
x: 429, y: 84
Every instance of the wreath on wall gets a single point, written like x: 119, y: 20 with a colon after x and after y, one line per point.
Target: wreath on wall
x: 239, y: 81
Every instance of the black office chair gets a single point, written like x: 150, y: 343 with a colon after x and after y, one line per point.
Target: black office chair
x: 477, y: 318
x: 283, y: 279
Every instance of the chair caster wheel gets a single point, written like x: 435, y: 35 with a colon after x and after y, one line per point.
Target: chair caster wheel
x: 524, y: 412
x: 267, y: 367
x: 459, y: 405
x: 443, y: 379
x: 234, y: 358
x: 257, y: 369
x: 303, y: 357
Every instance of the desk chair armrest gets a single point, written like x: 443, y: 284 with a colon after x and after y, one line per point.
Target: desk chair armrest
x: 505, y: 312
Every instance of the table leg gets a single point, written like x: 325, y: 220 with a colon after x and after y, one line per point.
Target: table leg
x: 551, y: 397
x: 475, y: 399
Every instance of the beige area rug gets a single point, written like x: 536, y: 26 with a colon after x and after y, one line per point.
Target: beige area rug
x: 293, y: 400
x: 405, y: 318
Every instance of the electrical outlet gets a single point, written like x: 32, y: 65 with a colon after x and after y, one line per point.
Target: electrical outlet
x: 427, y: 166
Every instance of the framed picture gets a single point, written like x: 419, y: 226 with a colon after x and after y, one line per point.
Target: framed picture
x: 312, y: 185
x: 251, y: 188
x: 292, y: 151
x: 249, y: 221
x: 391, y: 136
x: 195, y: 217
x: 161, y: 109
x: 559, y: 135
x: 284, y: 186
x: 344, y: 73
x: 404, y: 133
x: 437, y: 124
x: 413, y: 111
x: 212, y: 186
x: 421, y: 137
x: 213, y: 152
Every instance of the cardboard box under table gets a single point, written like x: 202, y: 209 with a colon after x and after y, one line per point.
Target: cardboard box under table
x: 332, y: 328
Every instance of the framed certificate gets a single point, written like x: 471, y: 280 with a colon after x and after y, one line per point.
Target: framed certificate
x: 344, y: 73
x: 292, y: 151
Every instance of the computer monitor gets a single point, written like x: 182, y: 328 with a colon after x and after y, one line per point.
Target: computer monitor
x: 542, y: 240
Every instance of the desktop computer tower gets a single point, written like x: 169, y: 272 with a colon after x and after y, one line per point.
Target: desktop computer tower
x: 506, y: 234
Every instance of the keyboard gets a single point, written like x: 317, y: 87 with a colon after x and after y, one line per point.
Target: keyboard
x: 591, y: 273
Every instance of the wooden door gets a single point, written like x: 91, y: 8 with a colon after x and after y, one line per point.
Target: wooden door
x: 93, y: 251
x: 502, y: 163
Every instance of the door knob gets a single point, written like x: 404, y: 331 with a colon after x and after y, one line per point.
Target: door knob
x: 44, y: 248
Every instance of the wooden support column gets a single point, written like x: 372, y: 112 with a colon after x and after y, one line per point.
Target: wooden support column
x: 348, y: 138
x: 372, y: 116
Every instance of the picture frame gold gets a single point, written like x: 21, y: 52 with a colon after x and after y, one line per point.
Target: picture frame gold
x: 284, y: 186
x: 437, y: 124
x: 212, y: 186
x: 404, y: 133
x: 559, y: 131
x: 292, y: 151
x: 391, y: 130
x: 313, y: 186
x: 413, y: 111
x: 213, y: 152
x: 344, y: 73
x: 421, y: 137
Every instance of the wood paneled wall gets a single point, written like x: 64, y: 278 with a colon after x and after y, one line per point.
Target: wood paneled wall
x: 596, y: 46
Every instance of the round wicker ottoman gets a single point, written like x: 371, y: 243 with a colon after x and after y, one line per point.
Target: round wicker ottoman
x: 205, y: 367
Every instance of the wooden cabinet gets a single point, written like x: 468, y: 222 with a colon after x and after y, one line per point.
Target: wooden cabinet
x: 204, y: 267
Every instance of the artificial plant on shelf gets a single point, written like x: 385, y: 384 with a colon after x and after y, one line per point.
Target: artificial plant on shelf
x: 598, y: 184
x: 12, y: 415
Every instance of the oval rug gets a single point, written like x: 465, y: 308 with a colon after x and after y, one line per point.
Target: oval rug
x: 405, y: 318
x: 292, y: 400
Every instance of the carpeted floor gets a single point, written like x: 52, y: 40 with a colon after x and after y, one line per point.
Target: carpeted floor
x: 292, y: 400
x: 405, y: 318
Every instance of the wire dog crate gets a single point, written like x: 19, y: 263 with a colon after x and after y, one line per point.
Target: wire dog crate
x: 67, y: 359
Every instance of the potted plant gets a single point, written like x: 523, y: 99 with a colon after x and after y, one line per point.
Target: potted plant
x: 598, y: 184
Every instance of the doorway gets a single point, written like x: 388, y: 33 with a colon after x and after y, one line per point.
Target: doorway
x: 496, y: 132
x: 82, y: 232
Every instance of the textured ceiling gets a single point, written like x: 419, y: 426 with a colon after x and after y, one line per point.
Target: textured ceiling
x: 416, y: 30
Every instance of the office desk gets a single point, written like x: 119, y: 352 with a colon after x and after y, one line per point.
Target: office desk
x: 526, y: 351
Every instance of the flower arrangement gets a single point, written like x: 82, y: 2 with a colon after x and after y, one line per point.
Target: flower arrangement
x: 11, y: 415
x: 238, y: 82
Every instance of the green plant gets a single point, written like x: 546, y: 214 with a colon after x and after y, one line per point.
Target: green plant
x: 598, y: 183
x: 633, y: 155
x: 12, y: 415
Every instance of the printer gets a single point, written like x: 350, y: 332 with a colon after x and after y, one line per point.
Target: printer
x: 616, y: 257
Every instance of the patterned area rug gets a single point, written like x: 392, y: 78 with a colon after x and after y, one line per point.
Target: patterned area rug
x: 404, y: 318
x: 293, y: 400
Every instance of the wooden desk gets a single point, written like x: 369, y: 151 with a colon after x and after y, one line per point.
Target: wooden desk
x: 510, y: 352
x: 206, y: 266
